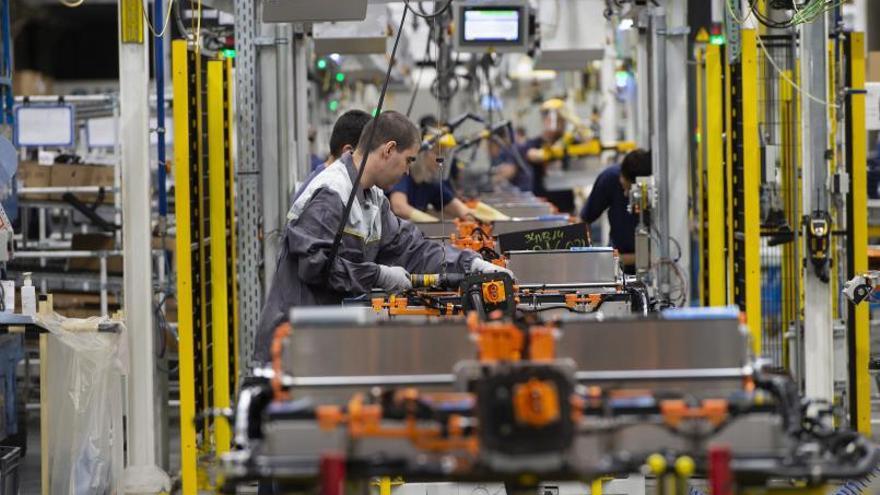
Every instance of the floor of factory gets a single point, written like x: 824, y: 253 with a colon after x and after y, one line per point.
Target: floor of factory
x: 29, y: 470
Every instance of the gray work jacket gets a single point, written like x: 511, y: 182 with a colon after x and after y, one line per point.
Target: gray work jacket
x: 373, y: 236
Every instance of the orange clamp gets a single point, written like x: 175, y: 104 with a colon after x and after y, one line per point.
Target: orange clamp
x: 536, y: 403
x: 676, y: 411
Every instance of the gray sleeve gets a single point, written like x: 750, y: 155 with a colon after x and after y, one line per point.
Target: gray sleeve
x: 310, y: 238
x: 403, y: 244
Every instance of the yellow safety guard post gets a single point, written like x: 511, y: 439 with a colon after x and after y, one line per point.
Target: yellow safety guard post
x: 713, y: 138
x: 232, y: 239
x: 698, y: 208
x: 186, y: 351
x: 750, y: 272
x: 858, y: 325
x: 217, y: 219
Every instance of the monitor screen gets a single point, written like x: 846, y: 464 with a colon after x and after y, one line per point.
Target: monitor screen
x: 491, y: 25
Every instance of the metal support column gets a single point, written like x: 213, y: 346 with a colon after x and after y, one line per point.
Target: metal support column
x: 609, y: 131
x: 660, y: 140
x: 142, y: 473
x: 677, y: 128
x: 301, y: 113
x: 643, y: 85
x: 285, y: 126
x: 818, y: 331
x: 248, y: 206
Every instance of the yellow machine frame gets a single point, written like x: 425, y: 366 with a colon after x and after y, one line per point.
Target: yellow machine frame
x: 711, y: 180
x: 729, y: 229
x: 729, y: 182
x: 858, y: 324
x: 747, y: 276
x: 206, y: 276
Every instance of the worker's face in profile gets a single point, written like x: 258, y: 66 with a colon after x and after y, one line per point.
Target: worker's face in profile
x: 429, y: 158
x: 395, y: 163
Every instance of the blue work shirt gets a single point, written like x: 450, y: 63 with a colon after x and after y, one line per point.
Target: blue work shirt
x: 420, y: 195
x: 317, y: 162
x: 523, y: 178
x: 607, y: 194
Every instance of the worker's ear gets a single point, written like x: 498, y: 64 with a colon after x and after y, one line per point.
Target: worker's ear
x: 347, y: 149
x: 390, y: 146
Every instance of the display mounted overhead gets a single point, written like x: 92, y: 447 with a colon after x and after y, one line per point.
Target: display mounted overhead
x: 314, y: 11
x: 488, y: 25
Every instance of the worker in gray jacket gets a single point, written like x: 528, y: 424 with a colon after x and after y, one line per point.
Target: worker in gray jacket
x: 378, y: 250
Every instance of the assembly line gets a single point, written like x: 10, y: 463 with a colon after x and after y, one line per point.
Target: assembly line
x: 446, y: 247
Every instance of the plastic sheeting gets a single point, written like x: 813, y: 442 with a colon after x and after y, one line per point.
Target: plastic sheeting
x: 84, y: 403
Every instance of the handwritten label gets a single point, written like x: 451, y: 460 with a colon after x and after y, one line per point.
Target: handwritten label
x: 566, y: 237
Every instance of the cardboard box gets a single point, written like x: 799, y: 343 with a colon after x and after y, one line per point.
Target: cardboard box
x: 32, y: 174
x: 70, y: 175
x: 104, y: 176
x: 31, y: 83
x: 170, y: 243
x: 94, y: 242
x: 873, y: 67
x: 84, y: 175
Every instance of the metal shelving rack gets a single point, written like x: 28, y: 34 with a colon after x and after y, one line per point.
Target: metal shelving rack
x: 57, y: 246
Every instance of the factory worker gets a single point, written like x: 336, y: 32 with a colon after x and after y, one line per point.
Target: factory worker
x: 424, y: 186
x: 506, y: 174
x: 554, y: 123
x: 378, y: 250
x: 611, y: 193
x: 345, y: 135
x: 343, y: 139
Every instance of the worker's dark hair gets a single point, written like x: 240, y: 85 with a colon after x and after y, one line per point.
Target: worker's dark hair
x: 347, y: 130
x: 389, y: 126
x: 636, y: 163
x: 428, y: 121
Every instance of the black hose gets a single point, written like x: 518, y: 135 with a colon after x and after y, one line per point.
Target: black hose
x: 334, y: 250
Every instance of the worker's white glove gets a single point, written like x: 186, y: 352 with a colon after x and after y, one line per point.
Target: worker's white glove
x: 393, y: 279
x: 480, y: 265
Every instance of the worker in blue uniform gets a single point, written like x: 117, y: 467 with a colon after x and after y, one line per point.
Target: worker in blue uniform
x: 533, y: 152
x: 345, y: 135
x: 506, y: 174
x: 611, y: 193
x: 425, y: 186
x: 377, y: 249
x: 343, y: 139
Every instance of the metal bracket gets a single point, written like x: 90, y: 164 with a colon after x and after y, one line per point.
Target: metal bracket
x: 270, y: 41
x: 679, y: 31
x: 840, y: 183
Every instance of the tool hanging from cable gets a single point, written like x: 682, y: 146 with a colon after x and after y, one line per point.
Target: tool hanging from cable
x: 337, y: 240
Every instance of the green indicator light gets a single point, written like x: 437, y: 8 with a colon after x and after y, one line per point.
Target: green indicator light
x: 340, y: 77
x: 375, y: 112
x: 716, y: 39
x: 322, y: 64
x: 229, y: 52
x: 334, y: 105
